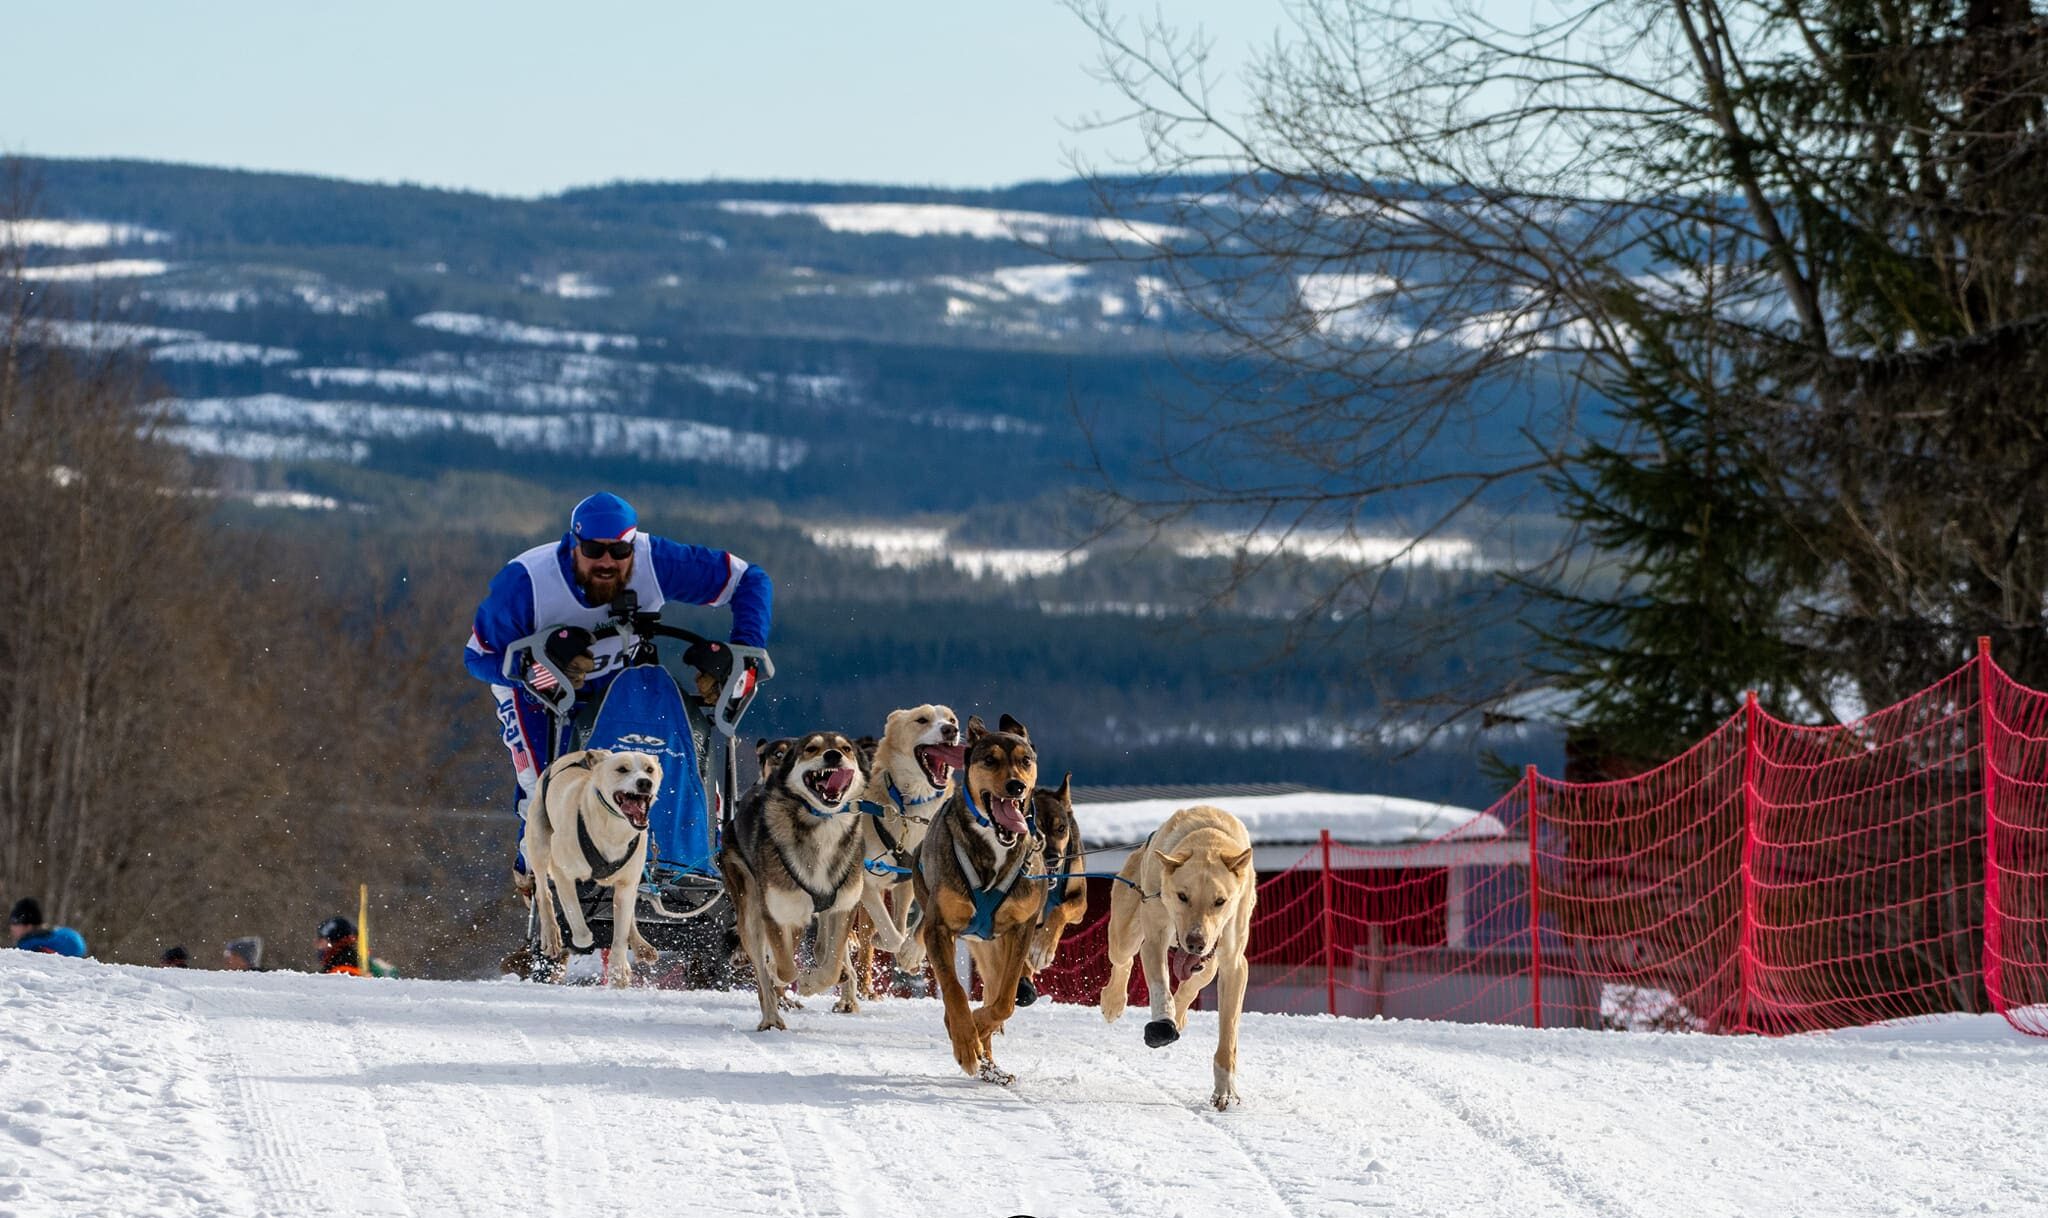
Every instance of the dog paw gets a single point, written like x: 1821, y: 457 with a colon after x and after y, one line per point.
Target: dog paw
x: 968, y: 1055
x: 644, y: 953
x: 848, y: 1004
x: 1224, y: 1098
x: 788, y: 1002
x: 1160, y: 1033
x: 771, y: 1023
x: 989, y: 1072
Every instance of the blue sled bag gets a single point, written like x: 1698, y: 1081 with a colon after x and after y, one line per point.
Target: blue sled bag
x: 643, y: 712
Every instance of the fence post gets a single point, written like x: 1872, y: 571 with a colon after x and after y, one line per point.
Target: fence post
x: 1329, y: 933
x: 1994, y: 968
x: 1745, y: 948
x: 1535, y: 901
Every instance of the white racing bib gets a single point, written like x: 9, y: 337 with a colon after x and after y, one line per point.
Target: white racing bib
x: 555, y: 602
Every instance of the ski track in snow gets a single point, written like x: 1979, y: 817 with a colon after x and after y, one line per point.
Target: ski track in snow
x: 132, y: 1091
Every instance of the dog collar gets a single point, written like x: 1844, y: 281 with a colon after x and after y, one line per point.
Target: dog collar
x: 902, y: 805
x: 910, y: 803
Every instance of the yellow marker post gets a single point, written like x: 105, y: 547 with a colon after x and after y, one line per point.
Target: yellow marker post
x: 363, y: 928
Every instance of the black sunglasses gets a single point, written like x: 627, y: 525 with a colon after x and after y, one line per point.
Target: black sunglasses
x: 620, y: 550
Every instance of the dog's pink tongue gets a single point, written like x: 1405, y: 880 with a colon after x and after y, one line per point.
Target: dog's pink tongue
x: 836, y: 783
x: 954, y: 755
x: 1009, y: 813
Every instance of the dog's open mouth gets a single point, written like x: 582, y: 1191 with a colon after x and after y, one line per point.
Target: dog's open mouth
x: 938, y: 761
x: 829, y: 786
x: 1007, y: 813
x: 633, y: 805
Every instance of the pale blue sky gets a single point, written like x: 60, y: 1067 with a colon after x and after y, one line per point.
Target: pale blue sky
x: 524, y: 98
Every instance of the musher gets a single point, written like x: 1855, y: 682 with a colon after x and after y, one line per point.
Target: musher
x: 567, y: 586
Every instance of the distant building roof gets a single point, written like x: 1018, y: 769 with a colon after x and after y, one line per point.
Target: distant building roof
x: 1192, y: 793
x: 1279, y: 814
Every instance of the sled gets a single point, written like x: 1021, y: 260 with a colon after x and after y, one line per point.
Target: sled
x: 683, y: 909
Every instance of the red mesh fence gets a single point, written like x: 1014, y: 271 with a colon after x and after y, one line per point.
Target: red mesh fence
x: 2016, y: 883
x: 1773, y: 879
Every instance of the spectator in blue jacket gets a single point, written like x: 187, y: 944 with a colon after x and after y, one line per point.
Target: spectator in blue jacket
x: 567, y: 586
x: 25, y: 923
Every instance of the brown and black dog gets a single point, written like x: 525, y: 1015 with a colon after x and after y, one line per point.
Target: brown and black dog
x: 1066, y: 902
x: 973, y: 882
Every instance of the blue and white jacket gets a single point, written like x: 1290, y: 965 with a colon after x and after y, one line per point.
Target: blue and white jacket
x: 539, y: 588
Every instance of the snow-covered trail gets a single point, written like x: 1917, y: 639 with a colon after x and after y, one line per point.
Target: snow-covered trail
x: 148, y: 1091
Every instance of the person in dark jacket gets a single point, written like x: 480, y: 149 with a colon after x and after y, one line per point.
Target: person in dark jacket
x: 337, y: 947
x: 32, y: 934
x: 176, y: 957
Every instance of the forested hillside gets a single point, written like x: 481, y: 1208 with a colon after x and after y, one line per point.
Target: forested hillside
x: 898, y: 402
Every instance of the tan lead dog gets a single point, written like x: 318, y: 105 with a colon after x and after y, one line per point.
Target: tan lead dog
x: 1195, y: 892
x: 592, y: 825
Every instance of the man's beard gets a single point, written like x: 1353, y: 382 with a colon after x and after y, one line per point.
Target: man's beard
x: 600, y: 590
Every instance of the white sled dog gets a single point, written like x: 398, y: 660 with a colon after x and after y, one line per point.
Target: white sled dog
x: 909, y: 782
x: 1195, y: 892
x: 592, y: 825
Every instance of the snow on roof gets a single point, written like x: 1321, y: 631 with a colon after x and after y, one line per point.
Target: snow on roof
x: 1368, y: 820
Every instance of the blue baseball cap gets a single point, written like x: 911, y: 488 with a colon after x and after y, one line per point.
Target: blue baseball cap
x: 602, y: 517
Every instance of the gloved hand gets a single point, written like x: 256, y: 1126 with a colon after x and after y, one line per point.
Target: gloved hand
x: 569, y: 648
x: 713, y: 662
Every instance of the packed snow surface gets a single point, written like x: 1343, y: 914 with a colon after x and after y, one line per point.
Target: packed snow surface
x: 133, y: 1091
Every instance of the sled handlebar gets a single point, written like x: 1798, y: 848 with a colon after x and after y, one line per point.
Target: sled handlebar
x: 529, y: 653
x: 745, y: 667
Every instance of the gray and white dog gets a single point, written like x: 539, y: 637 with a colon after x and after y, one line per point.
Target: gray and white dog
x: 791, y: 854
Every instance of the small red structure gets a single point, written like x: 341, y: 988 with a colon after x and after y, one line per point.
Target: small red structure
x: 1368, y: 904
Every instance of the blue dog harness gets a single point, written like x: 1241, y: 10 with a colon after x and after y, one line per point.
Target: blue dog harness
x: 881, y: 813
x: 987, y: 898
